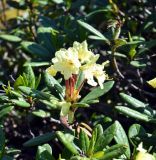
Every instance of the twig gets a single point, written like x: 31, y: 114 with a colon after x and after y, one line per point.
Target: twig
x: 55, y: 121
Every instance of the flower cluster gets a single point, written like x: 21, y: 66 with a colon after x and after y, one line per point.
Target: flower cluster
x: 70, y: 62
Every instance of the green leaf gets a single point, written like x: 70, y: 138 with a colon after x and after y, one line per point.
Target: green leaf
x: 35, y: 49
x: 30, y: 76
x: 35, y: 93
x: 95, y: 38
x: 38, y: 80
x: 116, y: 152
x: 5, y: 111
x: 19, y: 82
x: 97, y: 132
x: 51, y: 104
x: 83, y: 141
x: 39, y: 140
x: 67, y: 142
x: 92, y: 142
x: 93, y: 30
x: 10, y: 38
x: 65, y: 109
x: 97, y: 92
x: 44, y: 36
x: 138, y: 64
x: 134, y: 131
x: 44, y: 152
x: 41, y: 113
x: 16, y: 94
x: 104, y: 139
x: 80, y: 80
x: 132, y: 113
x: 2, y: 142
x: 51, y: 83
x: 98, y: 155
x: 132, y: 101
x: 20, y: 103
x: 119, y: 42
x: 121, y: 138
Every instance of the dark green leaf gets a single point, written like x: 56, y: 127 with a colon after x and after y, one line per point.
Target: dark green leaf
x: 121, y: 138
x: 105, y: 138
x: 83, y: 141
x: 97, y: 92
x: 93, y: 30
x: 30, y: 76
x: 132, y: 101
x: 51, y: 83
x: 115, y: 153
x: 39, y: 140
x: 44, y: 36
x: 134, y: 131
x: 35, y: 49
x: 132, y: 113
x: 5, y: 111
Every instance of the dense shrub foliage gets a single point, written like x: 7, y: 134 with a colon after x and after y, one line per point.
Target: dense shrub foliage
x: 77, y: 80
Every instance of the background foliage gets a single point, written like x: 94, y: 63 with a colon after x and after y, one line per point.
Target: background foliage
x: 123, y: 32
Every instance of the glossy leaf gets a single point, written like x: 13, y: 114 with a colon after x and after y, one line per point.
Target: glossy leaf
x: 44, y: 152
x: 67, y: 143
x: 134, y: 131
x: 97, y: 92
x: 121, y: 138
x: 92, y: 29
x: 132, y: 113
x: 105, y: 138
x: 51, y: 83
x: 83, y: 141
x: 39, y: 140
x: 132, y: 101
x: 41, y: 113
x: 30, y: 76
x: 5, y: 111
x: 10, y: 38
x: 115, y: 153
x: 35, y: 49
x: 20, y: 103
x: 44, y: 36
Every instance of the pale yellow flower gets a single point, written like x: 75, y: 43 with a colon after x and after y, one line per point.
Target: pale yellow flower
x: 93, y: 70
x: 84, y: 54
x: 142, y: 154
x: 51, y: 70
x: 66, y: 62
x: 152, y: 82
